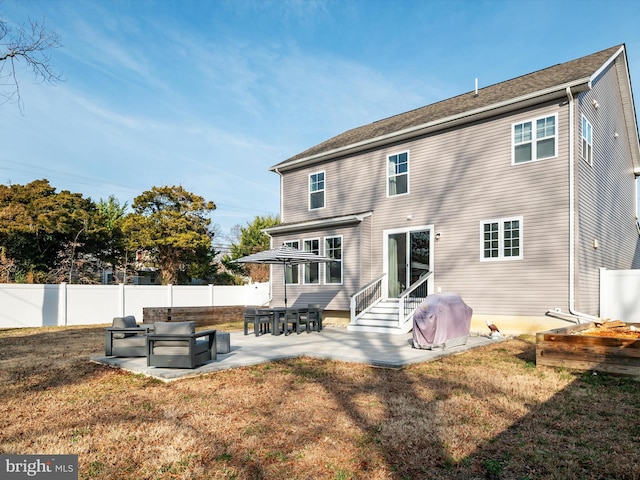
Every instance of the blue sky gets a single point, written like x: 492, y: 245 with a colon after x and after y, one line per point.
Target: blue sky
x: 210, y: 94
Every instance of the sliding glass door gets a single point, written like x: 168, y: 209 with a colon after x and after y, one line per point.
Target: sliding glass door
x: 408, y: 258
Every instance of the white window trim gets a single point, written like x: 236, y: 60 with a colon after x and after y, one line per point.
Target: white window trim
x: 297, y: 280
x: 324, y: 190
x: 387, y: 176
x: 305, y: 265
x: 533, y: 140
x: 324, y: 276
x: 588, y: 159
x: 500, y: 222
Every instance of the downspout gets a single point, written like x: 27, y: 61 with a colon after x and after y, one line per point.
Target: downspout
x: 635, y: 191
x: 572, y: 220
x: 281, y: 199
x: 271, y: 238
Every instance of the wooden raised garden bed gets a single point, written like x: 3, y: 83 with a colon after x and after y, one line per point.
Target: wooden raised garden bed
x: 590, y: 346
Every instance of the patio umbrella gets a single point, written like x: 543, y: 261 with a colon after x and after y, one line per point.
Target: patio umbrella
x: 283, y: 255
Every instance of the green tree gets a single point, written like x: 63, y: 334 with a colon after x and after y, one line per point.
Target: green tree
x: 252, y: 240
x: 111, y: 242
x: 172, y: 226
x: 39, y: 228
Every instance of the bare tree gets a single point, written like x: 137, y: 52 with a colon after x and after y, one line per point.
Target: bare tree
x: 28, y: 44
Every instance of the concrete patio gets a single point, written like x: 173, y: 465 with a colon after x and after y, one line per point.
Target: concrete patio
x: 332, y: 343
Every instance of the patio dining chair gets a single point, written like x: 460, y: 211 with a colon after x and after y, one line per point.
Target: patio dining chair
x: 260, y: 319
x: 314, y: 317
x: 291, y: 317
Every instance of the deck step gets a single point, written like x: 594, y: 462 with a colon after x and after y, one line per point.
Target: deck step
x: 382, y: 318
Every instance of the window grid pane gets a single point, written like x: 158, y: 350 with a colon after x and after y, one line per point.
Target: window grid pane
x: 546, y: 127
x: 511, y: 238
x: 317, y: 182
x: 333, y: 270
x: 538, y: 143
x: 522, y: 141
x: 316, y: 190
x: 291, y: 276
x: 501, y: 239
x: 522, y: 132
x: 398, y: 168
x: 311, y: 270
x: 491, y: 240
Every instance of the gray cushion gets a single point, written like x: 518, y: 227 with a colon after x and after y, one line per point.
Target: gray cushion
x: 174, y: 328
x: 176, y: 348
x: 135, y: 341
x: 124, y: 322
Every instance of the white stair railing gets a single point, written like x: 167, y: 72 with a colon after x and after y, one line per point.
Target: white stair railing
x: 364, y: 299
x: 412, y: 297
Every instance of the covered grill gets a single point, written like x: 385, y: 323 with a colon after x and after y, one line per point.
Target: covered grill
x: 441, y: 320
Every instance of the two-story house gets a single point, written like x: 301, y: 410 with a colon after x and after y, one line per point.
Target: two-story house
x: 512, y: 196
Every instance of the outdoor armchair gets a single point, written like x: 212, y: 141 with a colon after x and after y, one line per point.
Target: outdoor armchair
x: 177, y: 345
x: 125, y: 338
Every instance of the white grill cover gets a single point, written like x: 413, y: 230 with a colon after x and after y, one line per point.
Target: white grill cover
x: 441, y: 320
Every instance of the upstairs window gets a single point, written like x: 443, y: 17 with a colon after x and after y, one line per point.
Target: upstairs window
x: 291, y: 276
x: 311, y: 270
x: 534, y: 140
x: 316, y: 190
x: 501, y: 239
x: 333, y: 270
x: 587, y: 141
x: 398, y: 174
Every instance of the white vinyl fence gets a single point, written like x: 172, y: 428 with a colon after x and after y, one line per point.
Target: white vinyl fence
x: 23, y: 305
x: 620, y: 295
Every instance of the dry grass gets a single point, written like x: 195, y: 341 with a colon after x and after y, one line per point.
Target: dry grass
x: 488, y: 413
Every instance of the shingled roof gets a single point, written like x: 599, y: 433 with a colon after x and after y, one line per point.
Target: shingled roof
x: 564, y: 74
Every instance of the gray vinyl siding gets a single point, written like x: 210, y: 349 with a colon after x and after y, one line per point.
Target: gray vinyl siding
x: 473, y: 181
x: 458, y: 178
x: 605, y: 194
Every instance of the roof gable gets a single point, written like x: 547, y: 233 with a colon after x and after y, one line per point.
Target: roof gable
x: 556, y: 78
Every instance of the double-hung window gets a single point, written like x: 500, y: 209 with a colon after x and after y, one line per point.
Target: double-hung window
x: 398, y: 174
x: 316, y: 190
x: 291, y: 276
x: 333, y: 250
x: 587, y: 141
x: 311, y: 270
x: 501, y: 239
x: 535, y: 139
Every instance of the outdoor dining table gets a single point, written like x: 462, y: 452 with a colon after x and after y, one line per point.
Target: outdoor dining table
x: 277, y: 313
